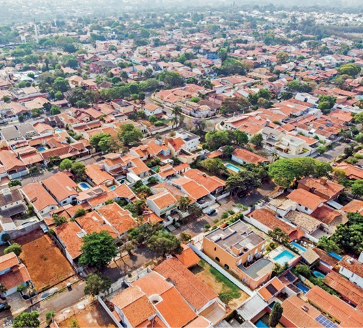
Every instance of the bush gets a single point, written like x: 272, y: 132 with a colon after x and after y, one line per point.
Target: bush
x: 207, y: 226
x: 225, y: 215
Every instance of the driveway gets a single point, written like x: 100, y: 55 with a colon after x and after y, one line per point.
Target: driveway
x: 38, y: 177
x: 333, y: 154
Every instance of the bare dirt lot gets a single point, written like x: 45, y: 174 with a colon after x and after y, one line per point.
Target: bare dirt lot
x: 92, y: 316
x: 221, y: 285
x: 46, y: 264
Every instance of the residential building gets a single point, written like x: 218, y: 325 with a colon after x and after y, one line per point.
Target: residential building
x: 352, y: 269
x: 243, y: 156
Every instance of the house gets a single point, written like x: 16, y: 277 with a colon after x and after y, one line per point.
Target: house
x: 11, y: 203
x: 348, y: 290
x: 322, y: 187
x: 70, y: 236
x: 39, y: 198
x: 93, y: 222
x: 327, y: 262
x: 338, y: 311
x: 306, y: 201
x: 239, y: 249
x: 352, y: 172
x: 151, y: 109
x: 12, y: 165
x: 351, y: 269
x: 243, y: 156
x: 191, y: 140
x: 162, y: 203
x: 266, y: 220
x: 13, y: 273
x: 355, y: 206
x: 98, y: 176
x: 62, y: 188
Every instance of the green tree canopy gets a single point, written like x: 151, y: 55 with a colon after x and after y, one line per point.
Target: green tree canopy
x: 128, y: 134
x: 16, y: 248
x: 286, y: 171
x: 165, y: 243
x: 98, y: 249
x: 27, y: 319
x: 66, y: 164
x: 96, y: 283
x: 275, y: 315
x: 243, y: 181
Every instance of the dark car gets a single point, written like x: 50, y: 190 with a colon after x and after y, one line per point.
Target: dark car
x: 211, y: 211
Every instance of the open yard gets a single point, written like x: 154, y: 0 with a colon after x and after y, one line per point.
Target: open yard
x: 227, y: 291
x: 92, y: 316
x: 46, y: 264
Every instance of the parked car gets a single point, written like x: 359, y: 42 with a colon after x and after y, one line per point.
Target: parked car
x: 211, y: 211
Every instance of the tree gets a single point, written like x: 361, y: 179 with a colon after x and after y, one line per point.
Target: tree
x: 183, y: 203
x: 228, y: 150
x: 165, y: 243
x: 350, y: 69
x: 55, y: 111
x: 279, y: 235
x: 257, y: 140
x: 231, y: 66
x: 326, y: 103
x: 98, y: 249
x: 79, y: 212
x: 275, y: 315
x: 231, y: 105
x: 214, y: 166
x: 288, y: 170
x: 240, y: 137
x: 60, y: 84
x: 96, y: 283
x: 282, y: 57
x: 66, y: 164
x: 79, y: 171
x: 242, y: 182
x: 49, y: 316
x: 321, y: 150
x: 328, y: 245
x: 141, y: 234
x: 357, y: 188
x: 171, y: 79
x: 59, y: 220
x: 349, y: 236
x: 216, y: 139
x: 27, y: 319
x: 128, y: 134
x: 16, y: 248
x: 14, y: 182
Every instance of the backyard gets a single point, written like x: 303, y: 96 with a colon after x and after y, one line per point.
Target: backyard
x: 228, y: 292
x: 92, y: 316
x: 46, y: 264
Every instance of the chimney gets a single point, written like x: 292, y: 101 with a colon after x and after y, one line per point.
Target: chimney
x: 323, y: 180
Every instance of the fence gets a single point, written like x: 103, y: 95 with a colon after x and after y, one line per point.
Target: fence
x: 222, y: 271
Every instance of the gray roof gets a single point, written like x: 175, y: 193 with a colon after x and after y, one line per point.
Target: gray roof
x: 257, y: 269
x: 239, y: 235
x: 251, y: 307
x: 10, y: 132
x: 26, y: 128
x: 9, y: 196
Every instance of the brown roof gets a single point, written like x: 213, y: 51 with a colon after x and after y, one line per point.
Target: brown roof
x: 306, y: 198
x: 248, y: 156
x: 266, y: 291
x: 188, y: 285
x: 8, y: 260
x: 188, y: 257
x: 268, y: 218
x: 93, y: 222
x: 38, y: 196
x: 71, y: 236
x: 352, y: 265
x: 97, y: 175
x: 323, y: 186
x: 351, y: 171
x: 346, y: 314
x: 60, y: 185
x: 325, y: 214
x: 17, y: 276
x: 346, y: 288
x: 119, y: 218
x: 163, y: 199
x: 355, y: 206
x: 211, y: 183
x: 325, y: 257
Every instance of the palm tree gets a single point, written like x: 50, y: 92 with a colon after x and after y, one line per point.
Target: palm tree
x: 176, y: 115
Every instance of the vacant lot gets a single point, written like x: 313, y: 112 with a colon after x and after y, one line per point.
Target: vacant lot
x: 46, y: 264
x: 227, y: 291
x: 92, y: 316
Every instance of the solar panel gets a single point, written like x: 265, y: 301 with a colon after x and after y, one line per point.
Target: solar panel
x: 325, y: 322
x: 271, y: 289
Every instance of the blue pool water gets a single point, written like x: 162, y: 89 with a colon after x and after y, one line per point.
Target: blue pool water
x: 84, y: 186
x: 232, y: 167
x: 113, y: 187
x: 41, y: 148
x: 260, y: 324
x: 318, y: 274
x: 284, y: 257
x: 298, y: 246
x: 59, y: 130
x: 302, y: 287
x: 335, y: 255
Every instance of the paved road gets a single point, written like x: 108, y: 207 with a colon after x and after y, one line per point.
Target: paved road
x: 332, y: 154
x: 54, y: 303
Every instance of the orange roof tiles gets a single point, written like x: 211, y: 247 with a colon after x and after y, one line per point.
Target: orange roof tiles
x: 306, y: 198
x: 248, y: 156
x: 119, y: 218
x: 93, y: 222
x: 61, y: 186
x: 8, y: 260
x: 38, y: 196
x: 199, y: 322
x: 17, y: 276
x: 188, y: 257
x: 188, y: 285
x: 97, y: 175
x: 324, y: 186
x: 326, y: 214
x: 153, y: 283
x: 265, y: 292
x: 163, y: 199
x: 346, y: 314
x: 71, y: 236
x: 355, y: 206
x: 351, y: 171
x: 174, y: 309
x: 211, y: 183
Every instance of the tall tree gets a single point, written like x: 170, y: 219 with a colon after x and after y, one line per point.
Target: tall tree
x: 27, y: 319
x: 96, y: 284
x: 98, y: 249
x: 275, y: 315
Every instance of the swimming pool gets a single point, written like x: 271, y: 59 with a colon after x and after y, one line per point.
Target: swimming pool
x: 84, y: 185
x: 42, y: 148
x: 113, y: 187
x: 335, y: 255
x: 284, y: 257
x: 260, y: 324
x: 302, y: 287
x: 59, y: 130
x: 298, y: 246
x: 318, y: 274
x: 233, y: 168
